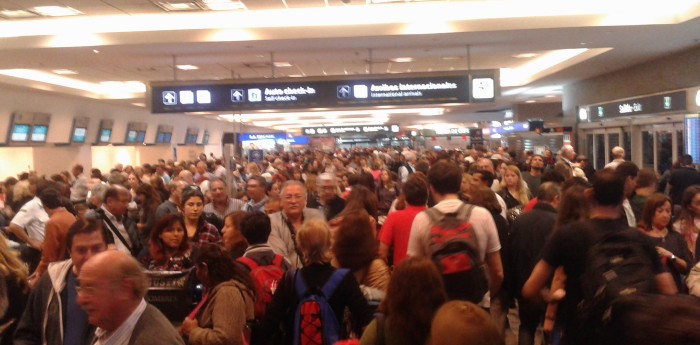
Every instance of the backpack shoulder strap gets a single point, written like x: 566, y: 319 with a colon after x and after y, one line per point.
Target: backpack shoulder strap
x: 250, y: 263
x: 434, y: 215
x: 299, y: 285
x: 277, y: 261
x: 334, y: 281
x: 465, y: 211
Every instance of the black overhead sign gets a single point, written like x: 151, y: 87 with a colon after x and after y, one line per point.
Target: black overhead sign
x: 338, y: 130
x: 672, y: 101
x: 295, y: 93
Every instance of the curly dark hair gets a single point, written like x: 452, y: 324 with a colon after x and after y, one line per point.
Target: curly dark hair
x: 355, y: 245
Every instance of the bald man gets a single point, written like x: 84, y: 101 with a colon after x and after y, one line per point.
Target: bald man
x: 618, y: 154
x: 112, y: 290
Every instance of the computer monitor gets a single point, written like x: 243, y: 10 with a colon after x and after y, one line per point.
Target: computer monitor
x: 79, y: 134
x: 20, y: 133
x: 140, y: 137
x: 105, y: 135
x: 131, y: 137
x: 39, y: 133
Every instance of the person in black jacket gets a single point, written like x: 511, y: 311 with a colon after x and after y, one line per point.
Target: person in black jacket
x: 313, y: 242
x: 528, y: 235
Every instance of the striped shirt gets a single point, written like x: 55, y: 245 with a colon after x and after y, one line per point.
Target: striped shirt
x: 232, y: 206
x: 121, y: 335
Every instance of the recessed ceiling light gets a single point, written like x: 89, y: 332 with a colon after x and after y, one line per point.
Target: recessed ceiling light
x: 451, y: 57
x: 550, y: 96
x: 95, y: 51
x: 55, y: 11
x: 402, y: 59
x: 295, y: 76
x: 530, y: 101
x: 282, y: 64
x: 222, y: 5
x: 10, y: 14
x: 64, y: 71
x: 187, y: 67
x: 178, y: 6
x: 525, y: 55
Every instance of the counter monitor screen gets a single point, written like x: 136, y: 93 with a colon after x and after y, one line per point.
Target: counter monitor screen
x: 140, y: 137
x: 20, y: 133
x: 79, y: 135
x: 131, y: 137
x: 105, y: 135
x: 39, y: 133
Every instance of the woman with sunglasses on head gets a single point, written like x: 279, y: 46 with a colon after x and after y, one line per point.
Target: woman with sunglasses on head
x: 197, y: 229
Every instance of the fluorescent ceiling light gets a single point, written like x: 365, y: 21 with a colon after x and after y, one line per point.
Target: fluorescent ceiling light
x: 10, y: 14
x: 527, y: 72
x: 55, y: 11
x: 178, y: 6
x: 282, y: 64
x: 103, y: 90
x: 64, y: 71
x: 49, y: 78
x: 402, y: 59
x: 222, y: 5
x: 530, y: 101
x: 525, y: 55
x: 187, y: 67
x: 449, y: 12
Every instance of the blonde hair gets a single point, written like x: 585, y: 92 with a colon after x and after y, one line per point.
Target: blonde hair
x: 314, y: 242
x: 522, y: 196
x: 463, y: 323
x: 10, y: 265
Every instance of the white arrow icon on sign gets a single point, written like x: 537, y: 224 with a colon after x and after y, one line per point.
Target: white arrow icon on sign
x: 237, y: 95
x: 169, y: 98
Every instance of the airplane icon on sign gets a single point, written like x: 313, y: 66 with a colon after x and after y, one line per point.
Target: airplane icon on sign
x: 237, y: 95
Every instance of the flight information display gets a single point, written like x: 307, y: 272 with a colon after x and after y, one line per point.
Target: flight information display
x: 692, y: 137
x: 337, y: 130
x: 293, y: 93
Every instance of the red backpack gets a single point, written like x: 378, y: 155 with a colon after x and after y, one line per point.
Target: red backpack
x: 455, y: 251
x: 265, y: 280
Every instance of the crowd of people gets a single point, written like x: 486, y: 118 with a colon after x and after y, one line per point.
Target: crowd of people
x: 388, y: 245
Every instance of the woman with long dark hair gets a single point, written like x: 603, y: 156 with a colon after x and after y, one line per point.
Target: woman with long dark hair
x: 415, y: 292
x: 147, y: 199
x: 198, y: 230
x: 670, y: 245
x: 221, y: 317
x: 168, y: 248
x: 356, y: 248
x: 688, y: 221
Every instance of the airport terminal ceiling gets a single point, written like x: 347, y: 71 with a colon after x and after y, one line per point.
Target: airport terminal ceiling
x: 112, y: 49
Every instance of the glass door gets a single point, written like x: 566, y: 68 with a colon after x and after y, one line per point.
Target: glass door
x: 599, y: 143
x: 661, y: 145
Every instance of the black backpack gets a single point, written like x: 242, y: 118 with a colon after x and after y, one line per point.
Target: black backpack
x: 455, y: 251
x: 618, y: 269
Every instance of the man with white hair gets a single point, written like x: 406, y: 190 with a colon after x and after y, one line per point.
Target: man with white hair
x: 565, y: 164
x: 618, y: 154
x: 328, y: 200
x: 286, y: 223
x: 408, y: 168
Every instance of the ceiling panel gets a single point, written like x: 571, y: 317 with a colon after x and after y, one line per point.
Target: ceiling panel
x: 255, y: 5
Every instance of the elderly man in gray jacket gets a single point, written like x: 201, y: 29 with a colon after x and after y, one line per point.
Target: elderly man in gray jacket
x: 286, y: 223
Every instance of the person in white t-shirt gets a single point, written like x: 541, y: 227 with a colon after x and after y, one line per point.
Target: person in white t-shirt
x: 444, y: 179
